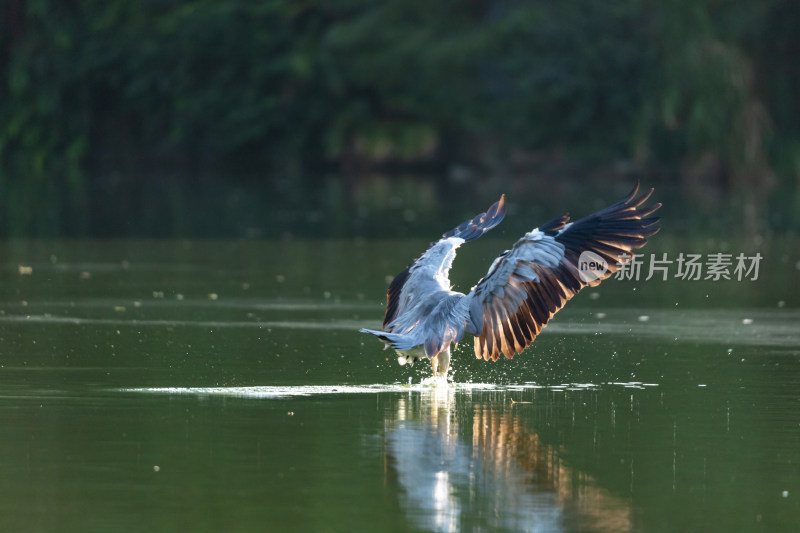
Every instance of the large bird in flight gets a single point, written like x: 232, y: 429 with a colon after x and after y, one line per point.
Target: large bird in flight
x: 524, y: 288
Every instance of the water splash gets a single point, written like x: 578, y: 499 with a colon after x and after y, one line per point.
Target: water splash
x: 427, y: 384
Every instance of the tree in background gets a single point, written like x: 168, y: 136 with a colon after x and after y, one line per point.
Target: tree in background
x: 235, y: 117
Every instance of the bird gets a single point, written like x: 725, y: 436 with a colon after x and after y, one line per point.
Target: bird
x: 522, y: 290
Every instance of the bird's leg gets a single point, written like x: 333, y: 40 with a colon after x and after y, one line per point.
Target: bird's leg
x: 441, y: 363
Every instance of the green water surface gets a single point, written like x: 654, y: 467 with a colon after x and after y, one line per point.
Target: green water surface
x: 222, y: 386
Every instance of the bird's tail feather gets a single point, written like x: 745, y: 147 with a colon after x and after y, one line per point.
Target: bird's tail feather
x: 395, y: 340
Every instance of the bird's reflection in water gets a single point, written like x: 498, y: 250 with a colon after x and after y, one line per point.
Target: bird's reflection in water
x: 464, y: 463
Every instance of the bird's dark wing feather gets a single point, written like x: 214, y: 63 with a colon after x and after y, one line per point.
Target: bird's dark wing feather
x: 528, y: 284
x: 429, y: 272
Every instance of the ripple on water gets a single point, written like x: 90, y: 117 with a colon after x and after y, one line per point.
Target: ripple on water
x: 427, y: 384
x: 775, y: 328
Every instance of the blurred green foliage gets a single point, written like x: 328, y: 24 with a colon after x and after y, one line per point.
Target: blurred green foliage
x: 236, y: 117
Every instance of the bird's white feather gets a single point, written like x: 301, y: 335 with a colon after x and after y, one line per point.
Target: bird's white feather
x: 522, y: 290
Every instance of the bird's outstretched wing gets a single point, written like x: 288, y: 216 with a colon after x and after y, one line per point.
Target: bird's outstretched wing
x: 429, y: 272
x: 528, y: 284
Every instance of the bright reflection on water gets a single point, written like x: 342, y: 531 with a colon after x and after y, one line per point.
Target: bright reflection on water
x: 496, y: 479
x: 177, y: 386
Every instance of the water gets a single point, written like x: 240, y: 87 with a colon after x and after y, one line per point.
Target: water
x: 210, y: 386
